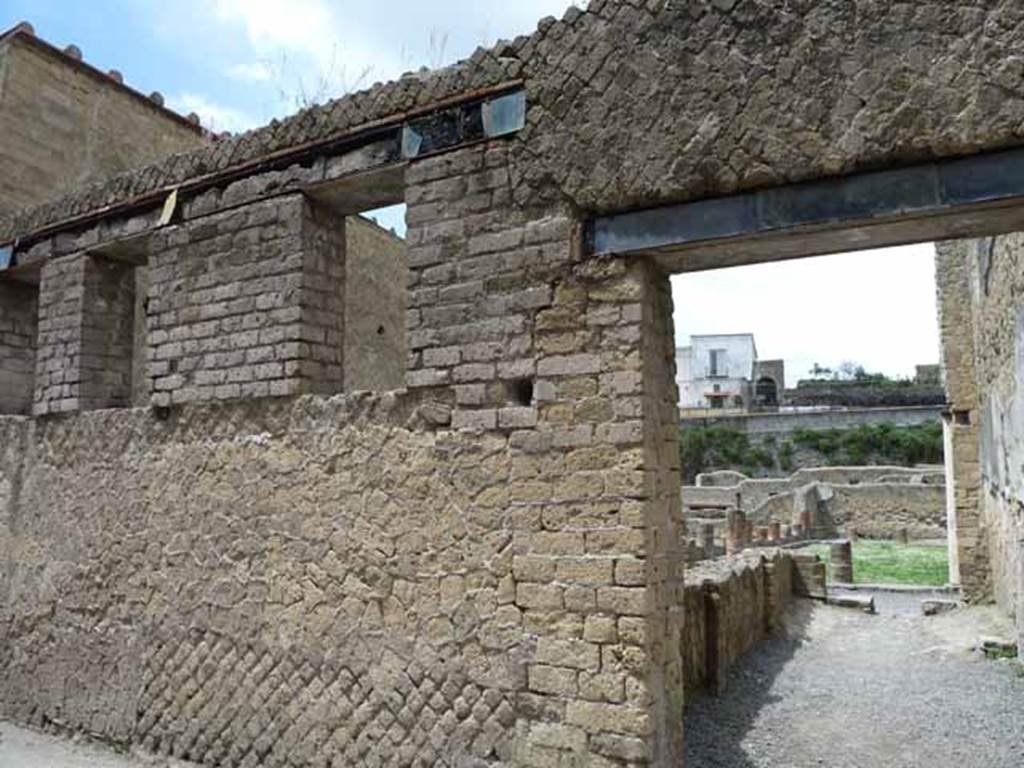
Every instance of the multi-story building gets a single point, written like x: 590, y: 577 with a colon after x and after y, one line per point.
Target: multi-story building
x: 722, y: 372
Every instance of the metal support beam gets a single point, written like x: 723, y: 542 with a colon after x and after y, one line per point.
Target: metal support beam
x: 963, y: 197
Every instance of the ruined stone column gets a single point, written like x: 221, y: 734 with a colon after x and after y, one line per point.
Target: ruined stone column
x: 775, y: 531
x: 762, y: 533
x: 841, y: 554
x: 807, y: 523
x: 733, y: 535
x: 707, y: 535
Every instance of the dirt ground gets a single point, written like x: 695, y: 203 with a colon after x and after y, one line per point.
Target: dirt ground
x: 849, y: 690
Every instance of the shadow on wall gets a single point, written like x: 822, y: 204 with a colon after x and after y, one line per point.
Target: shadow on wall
x: 714, y: 739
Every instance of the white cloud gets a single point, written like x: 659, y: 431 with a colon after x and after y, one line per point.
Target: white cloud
x: 307, y: 50
x: 253, y: 72
x: 213, y: 116
x: 297, y: 25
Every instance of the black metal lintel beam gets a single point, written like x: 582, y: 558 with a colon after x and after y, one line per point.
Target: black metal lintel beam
x: 926, y: 190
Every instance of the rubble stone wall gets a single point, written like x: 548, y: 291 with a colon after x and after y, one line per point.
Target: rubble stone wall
x: 883, y: 511
x: 732, y: 604
x: 276, y: 582
x: 724, y: 489
x: 500, y: 580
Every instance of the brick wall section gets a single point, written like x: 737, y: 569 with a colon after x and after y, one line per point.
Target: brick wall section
x: 968, y: 555
x: 247, y: 303
x: 86, y: 337
x: 497, y: 297
x: 19, y: 305
x: 108, y: 337
x: 375, y: 282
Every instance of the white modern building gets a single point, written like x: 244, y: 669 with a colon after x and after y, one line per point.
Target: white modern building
x: 722, y: 372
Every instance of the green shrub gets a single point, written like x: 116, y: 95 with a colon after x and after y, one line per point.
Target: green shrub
x: 875, y: 444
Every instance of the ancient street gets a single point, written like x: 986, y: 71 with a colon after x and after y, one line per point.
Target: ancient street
x: 849, y: 690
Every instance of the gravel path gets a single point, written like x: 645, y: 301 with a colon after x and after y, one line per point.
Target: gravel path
x: 22, y: 748
x: 849, y: 690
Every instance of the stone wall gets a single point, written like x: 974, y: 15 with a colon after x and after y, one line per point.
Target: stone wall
x: 732, y: 605
x: 376, y: 272
x: 969, y: 563
x: 499, y: 581
x: 994, y: 305
x: 247, y: 302
x: 328, y: 583
x: 783, y: 424
x: 884, y: 511
x: 726, y: 489
x: 86, y: 339
x: 19, y: 307
x: 62, y: 122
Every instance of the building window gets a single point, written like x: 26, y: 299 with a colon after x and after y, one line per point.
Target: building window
x: 717, y: 363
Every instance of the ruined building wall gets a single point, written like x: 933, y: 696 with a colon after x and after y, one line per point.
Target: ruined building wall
x: 247, y: 302
x: 968, y: 553
x: 62, y: 123
x: 19, y: 307
x: 376, y: 272
x: 306, y: 581
x: 732, y: 605
x: 992, y: 268
x: 499, y: 298
x: 546, y: 427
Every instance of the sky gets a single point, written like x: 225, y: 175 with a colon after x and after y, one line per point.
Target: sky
x: 876, y: 308
x: 240, y: 63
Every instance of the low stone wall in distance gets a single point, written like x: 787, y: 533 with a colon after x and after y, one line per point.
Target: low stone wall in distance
x: 870, y: 502
x: 734, y: 603
x: 884, y: 511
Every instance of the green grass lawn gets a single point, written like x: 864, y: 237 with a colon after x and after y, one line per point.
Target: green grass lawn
x: 887, y: 562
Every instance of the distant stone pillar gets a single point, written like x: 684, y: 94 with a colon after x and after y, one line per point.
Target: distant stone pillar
x: 788, y: 531
x: 798, y: 531
x: 841, y: 554
x: 903, y: 537
x: 762, y: 533
x: 693, y: 551
x: 748, y: 533
x: 707, y: 535
x: 737, y: 529
x: 775, y: 531
x: 807, y: 523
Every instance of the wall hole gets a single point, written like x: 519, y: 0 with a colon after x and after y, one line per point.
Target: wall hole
x: 521, y: 391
